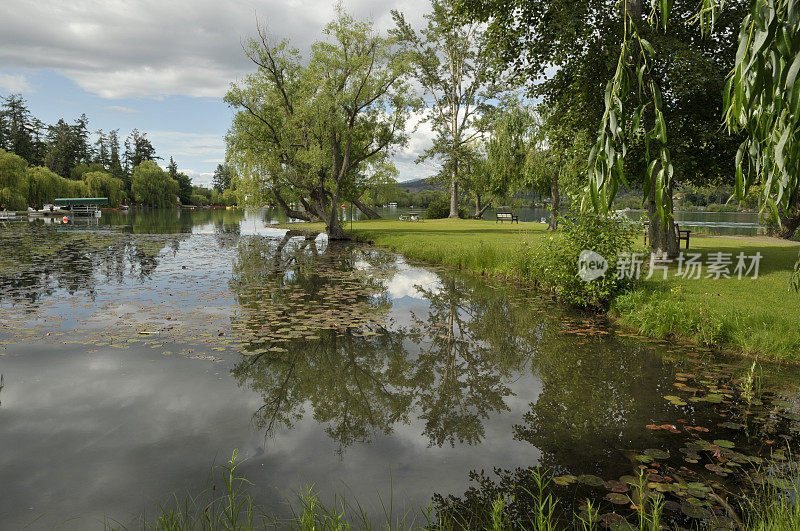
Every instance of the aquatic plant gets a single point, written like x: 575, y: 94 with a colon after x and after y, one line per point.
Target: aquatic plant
x: 750, y: 384
x: 775, y: 503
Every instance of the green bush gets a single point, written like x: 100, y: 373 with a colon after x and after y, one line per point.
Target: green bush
x: 198, y: 200
x: 438, y: 209
x: 10, y: 200
x: 554, y: 263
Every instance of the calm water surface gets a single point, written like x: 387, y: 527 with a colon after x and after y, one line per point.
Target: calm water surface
x: 137, y: 349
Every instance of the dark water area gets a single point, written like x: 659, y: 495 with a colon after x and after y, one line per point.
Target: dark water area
x: 138, y: 349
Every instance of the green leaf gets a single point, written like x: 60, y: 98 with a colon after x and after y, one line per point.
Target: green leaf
x: 791, y: 75
x: 661, y: 128
x: 656, y: 93
x: 666, y: 6
x: 647, y: 46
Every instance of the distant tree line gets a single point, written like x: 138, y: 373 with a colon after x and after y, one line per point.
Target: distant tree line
x: 40, y: 162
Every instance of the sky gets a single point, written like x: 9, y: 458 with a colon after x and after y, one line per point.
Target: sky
x: 163, y: 66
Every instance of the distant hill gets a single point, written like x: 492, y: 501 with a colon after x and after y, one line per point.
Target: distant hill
x: 418, y: 185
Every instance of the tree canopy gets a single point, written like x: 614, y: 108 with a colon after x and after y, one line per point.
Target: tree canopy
x: 314, y: 132
x: 451, y: 63
x: 153, y: 186
x: 611, y: 69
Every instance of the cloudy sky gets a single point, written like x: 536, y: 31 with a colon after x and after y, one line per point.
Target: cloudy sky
x: 162, y: 66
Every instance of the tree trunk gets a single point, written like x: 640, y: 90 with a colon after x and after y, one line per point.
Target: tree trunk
x: 311, y: 212
x: 479, y: 210
x: 454, y: 192
x: 296, y: 214
x: 335, y: 230
x: 790, y: 222
x: 555, y: 203
x: 662, y: 238
x: 371, y: 214
x: 332, y: 225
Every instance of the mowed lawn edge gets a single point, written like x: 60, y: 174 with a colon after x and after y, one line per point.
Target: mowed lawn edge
x: 757, y: 317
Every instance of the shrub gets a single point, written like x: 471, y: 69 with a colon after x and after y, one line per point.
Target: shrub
x: 198, y: 200
x: 554, y: 263
x: 438, y: 209
x: 10, y: 200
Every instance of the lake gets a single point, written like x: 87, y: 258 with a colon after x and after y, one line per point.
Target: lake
x: 139, y: 349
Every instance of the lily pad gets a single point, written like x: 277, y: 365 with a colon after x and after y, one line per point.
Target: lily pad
x: 675, y: 400
x: 717, y: 469
x: 694, y: 511
x: 617, y: 498
x: 589, y: 479
x: 724, y: 443
x: 616, y: 486
x: 564, y: 480
x: 656, y: 453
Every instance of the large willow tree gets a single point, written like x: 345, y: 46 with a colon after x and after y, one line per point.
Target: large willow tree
x: 317, y: 132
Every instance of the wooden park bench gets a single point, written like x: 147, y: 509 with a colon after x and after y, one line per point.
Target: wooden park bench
x: 413, y: 215
x: 507, y: 216
x: 679, y: 234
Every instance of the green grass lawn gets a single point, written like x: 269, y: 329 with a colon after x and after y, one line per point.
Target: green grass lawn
x: 482, y: 247
x: 759, y: 316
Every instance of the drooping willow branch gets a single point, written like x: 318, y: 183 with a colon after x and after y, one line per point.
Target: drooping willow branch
x: 762, y: 99
x: 632, y: 80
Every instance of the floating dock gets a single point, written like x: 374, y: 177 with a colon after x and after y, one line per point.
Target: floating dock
x: 81, y: 206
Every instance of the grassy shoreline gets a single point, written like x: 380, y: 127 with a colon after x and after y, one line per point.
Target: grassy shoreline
x: 772, y: 506
x: 753, y: 317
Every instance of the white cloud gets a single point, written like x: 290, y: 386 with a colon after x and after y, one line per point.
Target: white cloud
x: 421, y: 136
x: 408, y: 281
x: 152, y: 48
x: 120, y: 108
x: 14, y: 83
x: 180, y: 144
x: 199, y: 178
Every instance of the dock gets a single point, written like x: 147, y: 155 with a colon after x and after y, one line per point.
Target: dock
x: 81, y: 206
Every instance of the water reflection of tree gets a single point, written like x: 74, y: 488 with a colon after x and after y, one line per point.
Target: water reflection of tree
x: 597, y: 394
x: 347, y: 378
x: 453, y: 367
x: 595, y: 399
x: 40, y: 260
x: 469, y: 354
